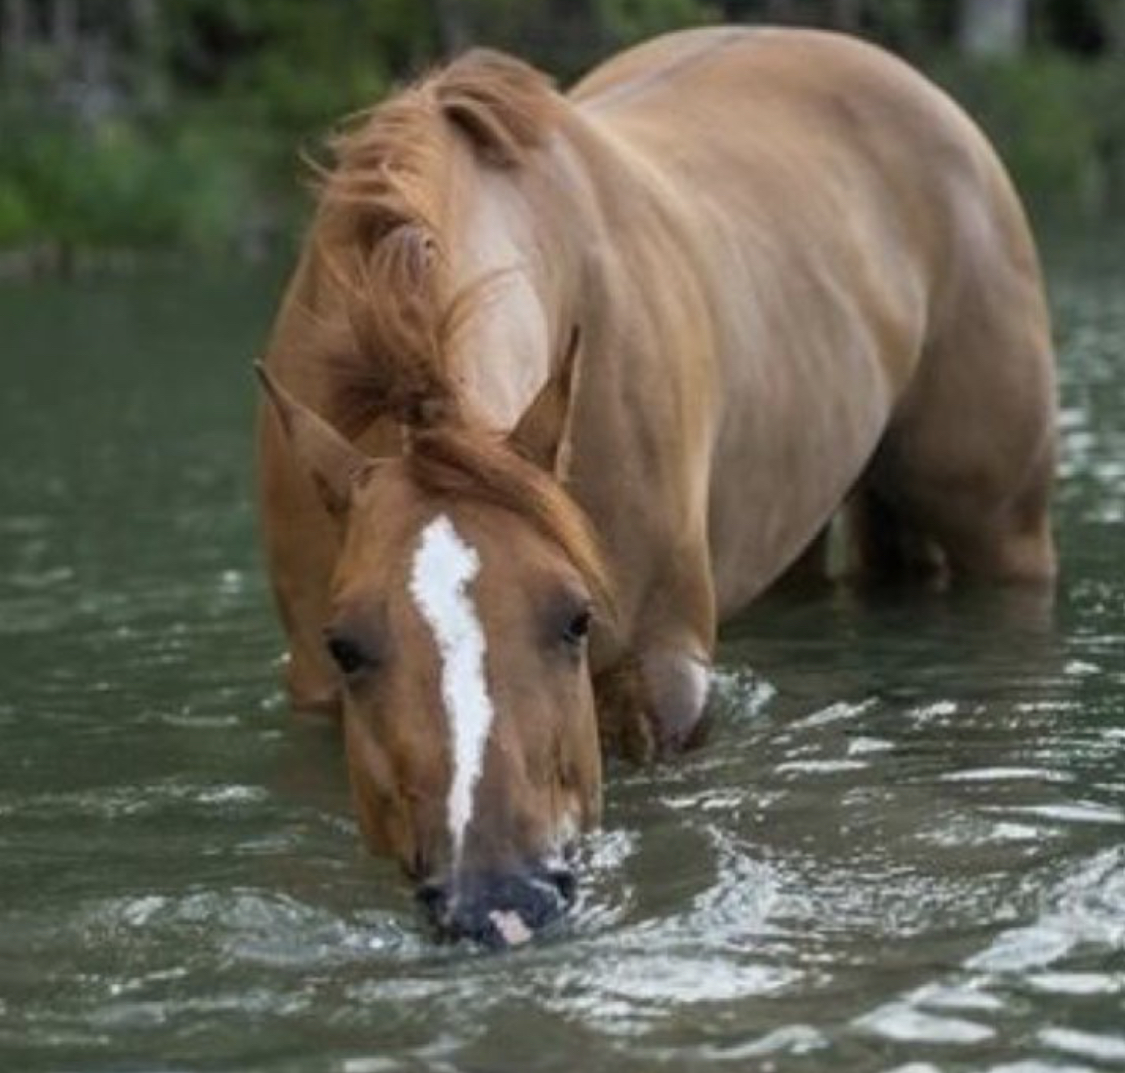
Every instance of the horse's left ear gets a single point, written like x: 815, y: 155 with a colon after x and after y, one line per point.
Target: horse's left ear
x: 542, y: 434
x: 335, y: 466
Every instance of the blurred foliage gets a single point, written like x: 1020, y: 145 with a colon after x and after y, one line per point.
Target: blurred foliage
x: 633, y: 20
x: 122, y: 183
x: 1047, y: 116
x: 178, y: 123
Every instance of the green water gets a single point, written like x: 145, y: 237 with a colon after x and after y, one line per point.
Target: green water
x: 903, y: 849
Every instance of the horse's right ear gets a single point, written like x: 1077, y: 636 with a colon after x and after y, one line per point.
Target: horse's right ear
x: 335, y: 466
x: 542, y: 434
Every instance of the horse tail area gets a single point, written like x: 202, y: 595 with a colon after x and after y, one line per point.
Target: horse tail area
x: 960, y: 483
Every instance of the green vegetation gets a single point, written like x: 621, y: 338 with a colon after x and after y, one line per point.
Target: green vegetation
x: 122, y: 182
x: 179, y: 124
x: 1058, y: 123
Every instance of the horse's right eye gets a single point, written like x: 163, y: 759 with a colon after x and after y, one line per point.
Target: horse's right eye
x: 577, y: 627
x: 347, y: 655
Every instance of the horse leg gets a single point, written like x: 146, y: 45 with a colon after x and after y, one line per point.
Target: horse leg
x: 652, y: 702
x: 883, y: 547
x: 999, y: 541
x: 676, y: 682
x: 927, y: 513
x: 968, y: 459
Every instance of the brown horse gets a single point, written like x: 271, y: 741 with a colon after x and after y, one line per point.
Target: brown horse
x: 571, y: 380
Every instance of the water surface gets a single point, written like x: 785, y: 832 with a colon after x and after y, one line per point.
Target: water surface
x: 903, y: 848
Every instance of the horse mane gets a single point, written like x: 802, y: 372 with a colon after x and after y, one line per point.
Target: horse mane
x: 378, y: 233
x: 378, y: 228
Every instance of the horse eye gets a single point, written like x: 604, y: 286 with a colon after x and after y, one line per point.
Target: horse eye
x: 347, y: 655
x: 578, y: 627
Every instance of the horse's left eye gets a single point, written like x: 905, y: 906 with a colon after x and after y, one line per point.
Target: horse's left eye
x: 578, y: 627
x: 347, y: 655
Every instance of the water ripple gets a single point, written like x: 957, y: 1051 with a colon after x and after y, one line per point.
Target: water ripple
x: 901, y: 849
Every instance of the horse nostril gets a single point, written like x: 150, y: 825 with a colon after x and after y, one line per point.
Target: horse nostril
x: 433, y: 897
x: 565, y: 882
x: 498, y: 910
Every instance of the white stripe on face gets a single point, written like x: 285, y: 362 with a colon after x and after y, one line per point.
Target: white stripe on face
x: 443, y: 567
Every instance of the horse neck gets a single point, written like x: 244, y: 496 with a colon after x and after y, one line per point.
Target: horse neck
x: 514, y: 238
x: 560, y: 237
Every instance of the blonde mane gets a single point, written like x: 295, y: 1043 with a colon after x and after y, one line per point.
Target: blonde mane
x: 378, y: 229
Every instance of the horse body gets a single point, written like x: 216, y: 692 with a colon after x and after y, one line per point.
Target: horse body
x: 801, y: 279
x: 868, y: 280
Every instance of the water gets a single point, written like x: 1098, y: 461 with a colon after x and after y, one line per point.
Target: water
x: 903, y: 849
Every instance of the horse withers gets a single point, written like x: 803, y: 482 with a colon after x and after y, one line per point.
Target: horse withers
x: 561, y: 383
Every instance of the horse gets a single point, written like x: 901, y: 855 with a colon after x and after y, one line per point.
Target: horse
x: 560, y: 383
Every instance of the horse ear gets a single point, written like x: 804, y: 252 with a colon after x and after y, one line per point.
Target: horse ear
x: 542, y: 434
x: 335, y: 466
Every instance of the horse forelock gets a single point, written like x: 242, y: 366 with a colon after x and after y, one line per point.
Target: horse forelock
x: 461, y: 461
x: 379, y: 231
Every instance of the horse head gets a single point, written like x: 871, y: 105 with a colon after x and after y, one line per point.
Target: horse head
x: 463, y: 595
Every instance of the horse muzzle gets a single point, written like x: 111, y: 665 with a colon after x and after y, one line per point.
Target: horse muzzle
x: 498, y: 910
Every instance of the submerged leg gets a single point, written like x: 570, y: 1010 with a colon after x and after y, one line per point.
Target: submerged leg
x: 676, y: 686
x: 884, y: 547
x: 1012, y: 543
x: 653, y: 705
x: 963, y: 490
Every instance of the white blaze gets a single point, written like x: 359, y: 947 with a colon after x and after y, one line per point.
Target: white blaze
x: 444, y: 565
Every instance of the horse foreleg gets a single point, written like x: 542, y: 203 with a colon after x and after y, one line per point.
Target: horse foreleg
x: 676, y: 686
x: 653, y: 705
x: 653, y: 701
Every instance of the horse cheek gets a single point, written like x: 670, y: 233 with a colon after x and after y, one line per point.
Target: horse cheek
x: 587, y: 753
x: 380, y: 809
x: 578, y: 761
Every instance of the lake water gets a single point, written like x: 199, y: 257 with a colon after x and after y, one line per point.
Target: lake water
x: 903, y: 848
